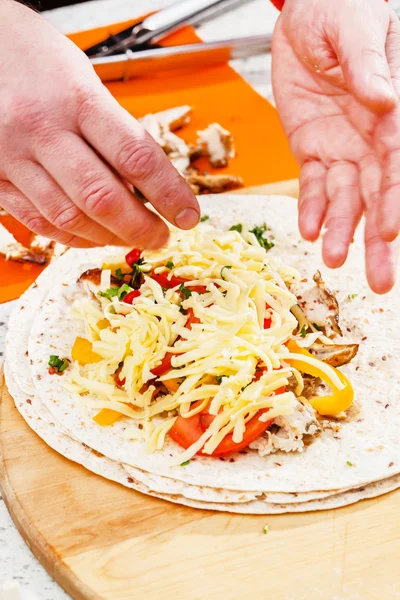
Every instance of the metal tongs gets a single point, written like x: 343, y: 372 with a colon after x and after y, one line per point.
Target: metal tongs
x: 135, y: 50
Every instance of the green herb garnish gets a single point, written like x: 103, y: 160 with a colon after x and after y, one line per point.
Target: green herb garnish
x: 225, y: 267
x: 185, y: 463
x: 170, y: 265
x: 182, y: 310
x: 259, y: 231
x: 265, y: 529
x: 204, y: 218
x: 303, y: 331
x: 58, y: 363
x: 185, y: 291
x: 219, y: 378
x: 349, y: 464
x: 237, y: 227
x: 352, y: 296
x: 110, y: 293
x: 317, y: 327
x: 123, y: 291
x: 120, y: 275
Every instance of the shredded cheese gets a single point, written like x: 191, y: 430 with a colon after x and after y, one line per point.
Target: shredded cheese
x: 213, y: 361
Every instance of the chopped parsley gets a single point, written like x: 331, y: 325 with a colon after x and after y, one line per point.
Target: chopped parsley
x: 60, y: 364
x: 113, y: 291
x: 317, y: 327
x: 263, y: 241
x: 120, y: 275
x: 303, y: 331
x: 137, y: 271
x: 219, y: 378
x: 265, y: 529
x: 352, y: 296
x: 182, y: 310
x: 225, y: 267
x: 204, y: 218
x: 110, y: 293
x: 185, y: 463
x: 237, y: 227
x: 349, y: 464
x: 170, y: 265
x: 185, y: 291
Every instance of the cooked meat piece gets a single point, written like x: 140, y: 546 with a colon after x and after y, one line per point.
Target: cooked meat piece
x: 13, y: 250
x: 330, y: 301
x: 290, y: 432
x: 335, y: 355
x: 173, y: 118
x: 316, y: 305
x: 94, y: 276
x: 218, y: 144
x: 168, y: 141
x: 214, y: 184
x: 181, y: 163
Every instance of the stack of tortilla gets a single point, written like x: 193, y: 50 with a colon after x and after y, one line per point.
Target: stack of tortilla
x: 351, y: 460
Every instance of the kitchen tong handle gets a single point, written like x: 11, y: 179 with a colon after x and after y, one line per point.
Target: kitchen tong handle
x: 186, y: 12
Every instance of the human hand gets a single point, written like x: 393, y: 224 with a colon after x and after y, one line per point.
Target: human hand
x: 69, y: 152
x: 336, y: 78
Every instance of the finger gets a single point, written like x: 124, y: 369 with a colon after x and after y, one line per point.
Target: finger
x: 388, y: 144
x: 361, y: 50
x: 99, y: 193
x: 389, y: 210
x: 18, y: 205
x: 379, y: 256
x: 312, y: 199
x: 134, y: 154
x: 47, y: 196
x: 343, y: 214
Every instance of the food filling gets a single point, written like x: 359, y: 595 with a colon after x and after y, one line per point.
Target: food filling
x: 204, y: 342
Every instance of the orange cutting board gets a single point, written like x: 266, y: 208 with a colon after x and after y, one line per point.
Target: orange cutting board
x: 216, y: 94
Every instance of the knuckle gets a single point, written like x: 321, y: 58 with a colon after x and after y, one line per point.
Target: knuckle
x: 144, y: 230
x: 138, y: 159
x: 86, y: 103
x: 70, y: 218
x: 38, y: 224
x: 23, y: 114
x: 98, y: 197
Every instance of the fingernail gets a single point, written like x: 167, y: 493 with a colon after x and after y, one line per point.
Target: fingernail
x: 187, y: 218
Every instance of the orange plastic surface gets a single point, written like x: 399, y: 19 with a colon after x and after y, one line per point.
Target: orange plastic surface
x: 15, y: 277
x: 216, y: 94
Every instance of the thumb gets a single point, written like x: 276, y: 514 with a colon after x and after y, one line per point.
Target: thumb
x: 361, y: 51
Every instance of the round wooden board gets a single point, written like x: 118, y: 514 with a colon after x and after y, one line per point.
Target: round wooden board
x: 100, y: 540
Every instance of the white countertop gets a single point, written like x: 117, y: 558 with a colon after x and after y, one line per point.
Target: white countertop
x: 257, y: 17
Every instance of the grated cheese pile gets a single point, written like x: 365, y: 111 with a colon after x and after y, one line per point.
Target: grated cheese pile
x: 215, y: 360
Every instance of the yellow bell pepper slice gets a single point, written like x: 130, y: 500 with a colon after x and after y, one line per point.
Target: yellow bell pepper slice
x: 332, y: 404
x: 82, y: 351
x: 106, y: 417
x: 103, y: 323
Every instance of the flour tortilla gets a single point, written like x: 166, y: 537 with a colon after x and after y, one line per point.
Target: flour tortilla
x: 371, y: 444
x: 22, y: 385
x: 108, y: 469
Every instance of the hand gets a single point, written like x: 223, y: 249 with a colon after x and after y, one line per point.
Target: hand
x: 69, y: 152
x: 336, y: 78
